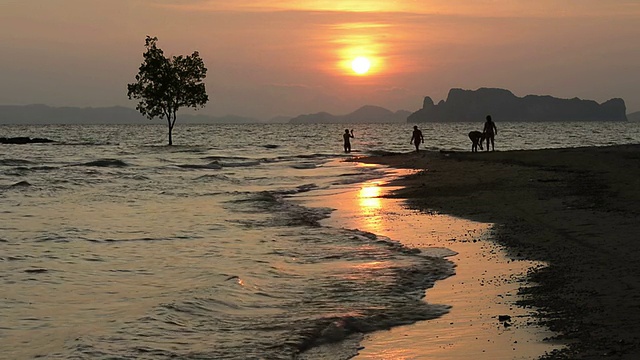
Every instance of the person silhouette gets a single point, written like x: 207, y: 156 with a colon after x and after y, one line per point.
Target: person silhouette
x: 416, y: 138
x: 490, y: 130
x: 347, y: 140
x: 477, y: 138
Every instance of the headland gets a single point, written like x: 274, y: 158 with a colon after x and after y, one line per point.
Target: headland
x: 470, y: 105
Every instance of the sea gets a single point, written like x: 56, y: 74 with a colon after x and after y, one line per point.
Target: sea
x: 114, y: 245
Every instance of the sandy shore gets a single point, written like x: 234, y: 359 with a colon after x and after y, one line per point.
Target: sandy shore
x: 485, y: 284
x: 573, y: 209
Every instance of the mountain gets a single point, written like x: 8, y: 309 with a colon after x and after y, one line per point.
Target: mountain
x: 279, y: 119
x: 43, y: 114
x: 503, y: 105
x: 634, y: 116
x: 365, y: 114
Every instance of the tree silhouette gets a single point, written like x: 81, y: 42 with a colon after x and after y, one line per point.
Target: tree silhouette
x: 164, y: 85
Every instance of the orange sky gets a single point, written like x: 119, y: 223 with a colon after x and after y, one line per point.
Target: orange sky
x: 286, y: 57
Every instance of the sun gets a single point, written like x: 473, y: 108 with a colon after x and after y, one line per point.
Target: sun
x: 360, y: 65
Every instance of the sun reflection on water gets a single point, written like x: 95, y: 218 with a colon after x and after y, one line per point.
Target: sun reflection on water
x: 370, y: 206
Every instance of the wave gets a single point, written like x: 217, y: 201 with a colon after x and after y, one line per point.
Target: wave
x: 383, y: 153
x: 240, y: 164
x: 219, y: 158
x: 310, y: 156
x: 14, y: 162
x: 352, y: 178
x: 209, y: 166
x: 90, y: 143
x: 21, y: 184
x: 164, y: 148
x: 282, y: 211
x: 104, y: 163
x: 246, y: 319
x: 23, y: 170
x: 303, y: 166
x: 16, y: 186
x: 217, y: 164
x: 217, y: 177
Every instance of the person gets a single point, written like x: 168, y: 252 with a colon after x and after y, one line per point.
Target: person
x: 416, y: 137
x: 347, y: 140
x: 477, y: 138
x: 490, y: 130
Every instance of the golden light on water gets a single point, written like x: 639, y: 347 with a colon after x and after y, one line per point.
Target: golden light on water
x: 369, y: 197
x: 370, y: 204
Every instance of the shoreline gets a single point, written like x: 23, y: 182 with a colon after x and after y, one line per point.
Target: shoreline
x: 574, y: 209
x: 484, y: 321
x: 484, y: 286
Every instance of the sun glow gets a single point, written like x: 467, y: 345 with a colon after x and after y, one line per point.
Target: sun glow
x: 359, y: 51
x: 360, y: 65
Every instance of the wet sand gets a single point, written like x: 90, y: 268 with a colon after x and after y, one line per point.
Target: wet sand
x: 485, y: 285
x: 575, y: 210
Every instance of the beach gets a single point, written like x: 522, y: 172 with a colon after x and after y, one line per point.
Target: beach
x: 202, y: 249
x: 574, y: 210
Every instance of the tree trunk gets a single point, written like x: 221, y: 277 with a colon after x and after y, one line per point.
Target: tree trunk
x: 170, y: 130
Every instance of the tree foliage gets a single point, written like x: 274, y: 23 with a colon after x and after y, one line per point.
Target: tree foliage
x: 164, y: 85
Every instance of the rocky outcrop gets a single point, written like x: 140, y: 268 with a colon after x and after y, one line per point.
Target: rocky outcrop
x: 503, y: 105
x: 23, y: 140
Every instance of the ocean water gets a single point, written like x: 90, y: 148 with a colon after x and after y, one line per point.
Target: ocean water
x: 116, y: 246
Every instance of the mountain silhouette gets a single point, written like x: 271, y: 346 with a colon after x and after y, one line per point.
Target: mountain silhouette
x: 43, y: 114
x: 503, y: 105
x: 365, y: 114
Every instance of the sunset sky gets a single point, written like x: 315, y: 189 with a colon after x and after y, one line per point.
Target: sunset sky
x: 286, y: 57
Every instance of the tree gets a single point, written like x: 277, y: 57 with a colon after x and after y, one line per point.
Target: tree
x: 164, y: 85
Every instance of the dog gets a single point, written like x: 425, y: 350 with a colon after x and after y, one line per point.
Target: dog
x: 477, y: 137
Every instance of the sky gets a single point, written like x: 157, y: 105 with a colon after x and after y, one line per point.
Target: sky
x: 291, y: 57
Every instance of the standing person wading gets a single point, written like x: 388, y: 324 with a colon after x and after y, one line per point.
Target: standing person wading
x: 347, y: 140
x: 416, y: 138
x: 490, y: 130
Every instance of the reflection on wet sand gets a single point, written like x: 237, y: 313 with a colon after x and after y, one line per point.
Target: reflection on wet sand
x: 370, y: 205
x: 485, y: 284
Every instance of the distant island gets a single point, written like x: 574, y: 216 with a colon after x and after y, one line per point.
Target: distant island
x: 473, y: 105
x: 43, y: 114
x: 460, y: 106
x: 38, y: 114
x: 367, y: 114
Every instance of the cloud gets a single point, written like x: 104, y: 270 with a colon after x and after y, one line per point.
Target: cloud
x: 475, y: 8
